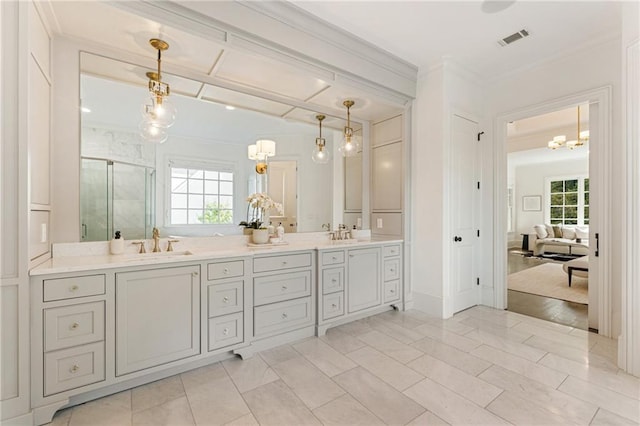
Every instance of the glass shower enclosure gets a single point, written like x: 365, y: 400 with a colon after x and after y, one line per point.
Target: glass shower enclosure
x: 116, y: 196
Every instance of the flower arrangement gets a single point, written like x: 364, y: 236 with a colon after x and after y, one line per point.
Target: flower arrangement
x: 259, y: 204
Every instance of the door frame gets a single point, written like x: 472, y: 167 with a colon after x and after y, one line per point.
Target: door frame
x: 600, y: 173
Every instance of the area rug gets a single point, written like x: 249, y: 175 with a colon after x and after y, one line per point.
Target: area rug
x: 550, y: 280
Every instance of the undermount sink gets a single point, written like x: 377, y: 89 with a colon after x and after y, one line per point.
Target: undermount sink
x: 156, y: 255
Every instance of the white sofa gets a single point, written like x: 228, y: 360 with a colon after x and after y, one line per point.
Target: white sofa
x: 573, y: 239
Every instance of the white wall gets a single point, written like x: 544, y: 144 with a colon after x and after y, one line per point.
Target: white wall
x: 530, y: 180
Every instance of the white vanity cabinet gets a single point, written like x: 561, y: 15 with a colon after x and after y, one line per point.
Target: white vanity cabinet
x: 157, y: 317
x: 392, y: 273
x: 363, y: 279
x: 283, y: 291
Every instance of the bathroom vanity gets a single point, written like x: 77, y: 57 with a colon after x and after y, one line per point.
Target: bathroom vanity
x: 104, y: 323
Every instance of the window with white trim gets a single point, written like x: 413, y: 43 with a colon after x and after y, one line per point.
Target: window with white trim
x: 568, y: 200
x: 200, y: 196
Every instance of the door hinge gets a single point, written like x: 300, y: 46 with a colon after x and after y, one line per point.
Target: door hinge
x: 478, y: 281
x: 480, y: 134
x: 478, y: 233
x: 597, y: 244
x: 478, y: 184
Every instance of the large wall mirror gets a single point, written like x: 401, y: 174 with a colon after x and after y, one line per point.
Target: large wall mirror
x: 197, y: 182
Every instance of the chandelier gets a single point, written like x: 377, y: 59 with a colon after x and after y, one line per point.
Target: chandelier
x: 582, y: 137
x: 158, y: 113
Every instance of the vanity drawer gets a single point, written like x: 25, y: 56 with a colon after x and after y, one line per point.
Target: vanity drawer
x: 332, y: 305
x: 277, y: 263
x: 332, y: 280
x: 232, y: 269
x: 72, y: 368
x: 332, y: 257
x: 225, y: 331
x: 391, y: 269
x: 391, y: 291
x: 73, y: 325
x: 225, y: 298
x: 279, y: 317
x: 276, y: 288
x: 391, y: 250
x: 72, y: 287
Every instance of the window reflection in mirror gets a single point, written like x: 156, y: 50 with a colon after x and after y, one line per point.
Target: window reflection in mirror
x: 197, y: 182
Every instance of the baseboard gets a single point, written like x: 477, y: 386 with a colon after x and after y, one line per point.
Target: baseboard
x: 432, y: 305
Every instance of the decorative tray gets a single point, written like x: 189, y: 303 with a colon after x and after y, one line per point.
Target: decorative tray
x: 267, y: 245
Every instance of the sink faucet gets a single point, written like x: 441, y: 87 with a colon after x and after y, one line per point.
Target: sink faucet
x: 156, y: 240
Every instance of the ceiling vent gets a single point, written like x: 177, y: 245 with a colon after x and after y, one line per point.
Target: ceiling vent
x: 513, y: 37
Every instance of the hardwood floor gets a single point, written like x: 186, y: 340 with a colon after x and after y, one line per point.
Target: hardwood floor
x: 554, y: 310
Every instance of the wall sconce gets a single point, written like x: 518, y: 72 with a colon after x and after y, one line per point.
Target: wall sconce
x: 160, y: 114
x: 260, y: 151
x: 320, y: 155
x: 351, y: 143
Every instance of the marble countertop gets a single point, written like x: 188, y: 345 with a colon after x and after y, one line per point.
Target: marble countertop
x: 81, y: 257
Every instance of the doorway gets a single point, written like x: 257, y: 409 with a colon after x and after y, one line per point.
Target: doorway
x: 283, y: 188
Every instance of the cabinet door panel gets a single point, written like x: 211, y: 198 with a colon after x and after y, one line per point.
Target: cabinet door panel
x: 387, y: 177
x: 364, y: 283
x: 157, y: 317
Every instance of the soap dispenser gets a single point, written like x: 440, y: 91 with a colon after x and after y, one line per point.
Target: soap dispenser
x: 117, y: 244
x: 280, y: 232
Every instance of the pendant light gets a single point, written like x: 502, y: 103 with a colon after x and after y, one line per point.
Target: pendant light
x: 159, y: 113
x: 350, y: 142
x: 320, y: 154
x: 581, y: 138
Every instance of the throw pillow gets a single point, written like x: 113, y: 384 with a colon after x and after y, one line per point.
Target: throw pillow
x: 582, y: 232
x: 568, y: 233
x: 549, y: 230
x: 557, y: 231
x: 541, y: 231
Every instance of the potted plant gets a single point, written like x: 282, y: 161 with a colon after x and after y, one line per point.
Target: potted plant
x: 258, y: 208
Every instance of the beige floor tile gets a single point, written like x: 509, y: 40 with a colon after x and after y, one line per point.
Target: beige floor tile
x: 607, y: 418
x: 396, y: 330
x: 111, y: 410
x: 622, y: 383
x: 545, y: 375
x: 569, y: 352
x: 203, y: 375
x: 455, y: 357
x: 427, y: 419
x: 450, y: 406
x: 407, y: 319
x: 437, y: 333
x: 563, y: 337
x: 507, y: 345
x: 156, y: 393
x: 457, y: 327
x: 323, y: 356
x: 247, y: 420
x: 497, y: 329
x: 172, y: 413
x: 279, y: 354
x: 341, y: 341
x: 386, y: 368
x: 61, y: 418
x: 561, y: 328
x: 217, y: 402
x: 276, y: 404
x: 518, y: 411
x: 472, y: 388
x: 552, y: 400
x: 355, y: 328
x: 390, y: 346
x: 250, y: 373
x: 504, y: 319
x: 311, y: 385
x: 391, y: 406
x: 605, y: 350
x: 345, y: 410
x: 604, y: 398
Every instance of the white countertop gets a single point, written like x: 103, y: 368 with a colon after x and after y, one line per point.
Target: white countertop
x: 81, y: 257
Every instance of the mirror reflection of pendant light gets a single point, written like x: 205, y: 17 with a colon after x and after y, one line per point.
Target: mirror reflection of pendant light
x: 581, y: 139
x: 260, y: 151
x: 350, y: 141
x: 158, y: 114
x: 320, y: 154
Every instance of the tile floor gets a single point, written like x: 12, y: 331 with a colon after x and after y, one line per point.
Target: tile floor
x: 483, y: 366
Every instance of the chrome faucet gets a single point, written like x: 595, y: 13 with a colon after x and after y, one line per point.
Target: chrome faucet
x: 156, y: 240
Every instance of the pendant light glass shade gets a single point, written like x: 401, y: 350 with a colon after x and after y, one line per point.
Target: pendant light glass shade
x: 320, y: 153
x: 160, y: 111
x: 351, y: 143
x: 150, y: 132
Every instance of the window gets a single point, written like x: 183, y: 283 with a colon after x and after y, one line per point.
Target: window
x: 200, y: 196
x: 568, y: 201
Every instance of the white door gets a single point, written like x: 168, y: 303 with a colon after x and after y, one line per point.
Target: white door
x: 464, y: 216
x: 283, y: 188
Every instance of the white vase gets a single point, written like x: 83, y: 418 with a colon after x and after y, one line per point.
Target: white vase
x: 260, y: 236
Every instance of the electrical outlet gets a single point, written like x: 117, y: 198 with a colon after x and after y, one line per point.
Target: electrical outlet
x: 379, y: 223
x: 359, y: 223
x: 43, y: 232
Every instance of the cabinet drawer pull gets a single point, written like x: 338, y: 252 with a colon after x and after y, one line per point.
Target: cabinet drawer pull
x: 284, y: 262
x: 225, y: 331
x: 73, y: 288
x: 334, y: 280
x: 333, y: 305
x: 392, y: 291
x: 284, y: 288
x: 74, y: 326
x: 226, y: 299
x: 285, y: 316
x: 194, y: 274
x: 226, y: 271
x: 74, y: 369
x: 334, y: 258
x: 392, y: 269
